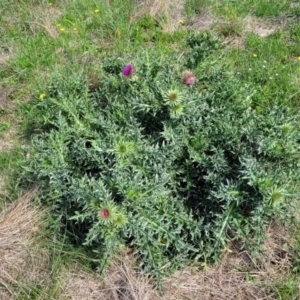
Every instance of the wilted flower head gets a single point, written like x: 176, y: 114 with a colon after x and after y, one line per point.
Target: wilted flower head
x: 188, y: 77
x: 128, y: 70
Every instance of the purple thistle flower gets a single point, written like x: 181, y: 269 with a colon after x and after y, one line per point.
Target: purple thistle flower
x: 128, y: 70
x: 188, y: 77
x: 105, y: 213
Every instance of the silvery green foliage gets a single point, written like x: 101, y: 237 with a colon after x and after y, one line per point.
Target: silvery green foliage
x: 179, y: 178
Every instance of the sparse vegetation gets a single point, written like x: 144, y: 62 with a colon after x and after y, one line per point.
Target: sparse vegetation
x: 103, y: 141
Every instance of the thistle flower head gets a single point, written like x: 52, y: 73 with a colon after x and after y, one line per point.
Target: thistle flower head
x: 276, y: 195
x: 128, y: 70
x: 123, y: 148
x: 172, y: 97
x: 107, y: 213
x: 188, y: 77
x: 110, y: 215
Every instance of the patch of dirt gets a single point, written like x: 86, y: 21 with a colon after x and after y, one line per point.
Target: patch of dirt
x: 7, y: 139
x: 261, y: 27
x: 5, y: 54
x: 239, y: 29
x: 203, y: 21
x: 5, y: 101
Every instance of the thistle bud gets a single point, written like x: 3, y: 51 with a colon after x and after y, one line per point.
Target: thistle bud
x: 188, y: 77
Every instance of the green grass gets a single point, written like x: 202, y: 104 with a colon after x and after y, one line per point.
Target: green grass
x: 259, y: 8
x: 288, y: 288
x: 43, y: 39
x: 271, y: 64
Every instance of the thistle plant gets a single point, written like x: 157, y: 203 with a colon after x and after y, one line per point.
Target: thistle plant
x: 165, y: 162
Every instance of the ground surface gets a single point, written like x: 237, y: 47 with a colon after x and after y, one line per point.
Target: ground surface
x: 33, y: 267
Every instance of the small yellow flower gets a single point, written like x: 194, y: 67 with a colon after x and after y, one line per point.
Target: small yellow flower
x: 58, y: 25
x: 75, y: 29
x: 42, y: 96
x: 181, y: 22
x: 254, y: 55
x: 299, y: 69
x: 62, y: 29
x: 299, y: 58
x: 96, y: 11
x: 50, y: 4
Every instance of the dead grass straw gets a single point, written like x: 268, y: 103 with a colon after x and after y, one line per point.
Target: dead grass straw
x: 236, y: 278
x: 172, y: 11
x: 19, y: 259
x: 121, y: 282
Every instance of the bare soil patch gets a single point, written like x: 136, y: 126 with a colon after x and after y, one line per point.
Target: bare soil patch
x: 5, y: 101
x: 7, y: 139
x: 261, y: 27
x: 6, y: 52
x: 235, y: 31
x: 203, y: 21
x: 7, y: 136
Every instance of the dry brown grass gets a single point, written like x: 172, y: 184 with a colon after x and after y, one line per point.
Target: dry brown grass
x: 21, y: 261
x: 44, y: 16
x: 236, y: 29
x: 23, y: 264
x: 171, y: 10
x: 121, y: 282
x: 236, y: 278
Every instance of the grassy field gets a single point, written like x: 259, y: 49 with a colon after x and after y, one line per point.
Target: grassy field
x: 42, y: 40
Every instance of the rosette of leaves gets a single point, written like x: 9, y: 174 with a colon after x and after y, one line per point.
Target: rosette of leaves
x: 120, y: 166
